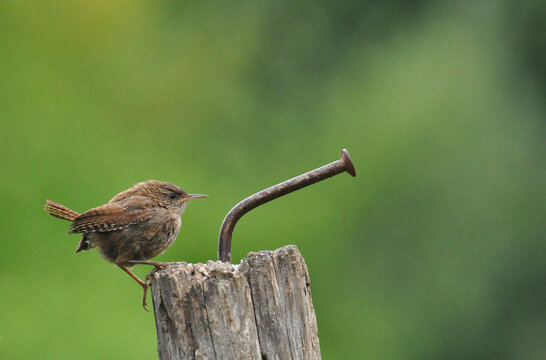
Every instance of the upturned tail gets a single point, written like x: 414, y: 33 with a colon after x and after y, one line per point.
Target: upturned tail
x: 60, y: 211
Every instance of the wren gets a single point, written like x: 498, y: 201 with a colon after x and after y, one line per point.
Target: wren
x: 135, y: 226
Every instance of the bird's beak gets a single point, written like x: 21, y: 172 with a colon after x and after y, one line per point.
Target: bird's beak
x: 197, y: 196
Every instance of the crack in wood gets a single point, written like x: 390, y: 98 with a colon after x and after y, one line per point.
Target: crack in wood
x: 260, y: 309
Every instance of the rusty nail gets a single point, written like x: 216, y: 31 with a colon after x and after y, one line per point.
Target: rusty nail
x: 345, y: 164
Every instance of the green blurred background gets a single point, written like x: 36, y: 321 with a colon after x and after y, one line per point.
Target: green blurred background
x: 435, y: 251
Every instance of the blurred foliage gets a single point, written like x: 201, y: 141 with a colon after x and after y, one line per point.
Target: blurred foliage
x: 435, y: 250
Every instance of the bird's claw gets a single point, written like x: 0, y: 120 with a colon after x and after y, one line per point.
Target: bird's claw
x: 158, y: 266
x: 147, y: 283
x: 145, y: 289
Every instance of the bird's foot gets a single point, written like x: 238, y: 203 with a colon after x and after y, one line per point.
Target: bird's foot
x: 148, y: 277
x: 145, y: 289
x: 157, y: 266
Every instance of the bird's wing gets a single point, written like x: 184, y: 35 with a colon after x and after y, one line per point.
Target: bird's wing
x: 110, y: 217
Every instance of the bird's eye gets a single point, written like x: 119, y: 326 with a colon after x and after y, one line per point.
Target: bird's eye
x: 172, y: 195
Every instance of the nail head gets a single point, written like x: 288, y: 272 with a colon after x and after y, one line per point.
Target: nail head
x: 346, y: 158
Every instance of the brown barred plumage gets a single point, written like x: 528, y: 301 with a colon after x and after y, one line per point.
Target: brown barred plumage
x: 60, y: 211
x: 133, y: 227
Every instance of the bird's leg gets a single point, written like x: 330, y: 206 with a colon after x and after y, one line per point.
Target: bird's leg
x: 158, y: 266
x: 140, y: 282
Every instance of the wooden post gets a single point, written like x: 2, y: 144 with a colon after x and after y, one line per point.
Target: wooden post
x: 260, y: 309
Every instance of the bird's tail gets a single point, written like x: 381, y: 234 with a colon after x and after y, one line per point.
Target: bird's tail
x: 60, y: 211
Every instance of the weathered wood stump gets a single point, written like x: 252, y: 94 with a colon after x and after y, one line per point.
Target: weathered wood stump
x: 260, y: 309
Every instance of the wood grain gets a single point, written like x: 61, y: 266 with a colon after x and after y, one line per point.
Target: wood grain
x: 259, y: 309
